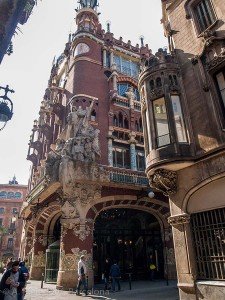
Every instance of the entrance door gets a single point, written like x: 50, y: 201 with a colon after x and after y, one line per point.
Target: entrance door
x: 130, y: 237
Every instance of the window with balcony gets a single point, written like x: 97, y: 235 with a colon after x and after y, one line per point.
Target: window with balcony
x: 161, y: 122
x: 204, y: 14
x: 126, y: 67
x: 121, y: 157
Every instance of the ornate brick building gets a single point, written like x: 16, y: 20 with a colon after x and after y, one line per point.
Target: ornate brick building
x: 88, y: 193
x: 183, y: 109
x: 12, y: 13
x: 12, y: 196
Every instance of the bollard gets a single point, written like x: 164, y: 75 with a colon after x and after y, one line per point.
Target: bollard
x: 130, y: 281
x: 87, y: 282
x: 42, y: 280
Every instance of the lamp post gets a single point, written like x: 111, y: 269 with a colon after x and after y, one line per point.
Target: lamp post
x: 6, y: 107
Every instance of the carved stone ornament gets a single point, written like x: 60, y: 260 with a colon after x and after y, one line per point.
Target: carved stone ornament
x: 69, y: 211
x: 164, y: 181
x: 86, y: 194
x: 179, y: 219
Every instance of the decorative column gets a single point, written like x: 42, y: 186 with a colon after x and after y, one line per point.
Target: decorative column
x: 111, y: 59
x: 133, y: 157
x: 110, y: 150
x: 114, y: 76
x: 185, y: 258
x: 76, y: 240
x: 104, y: 58
x: 38, y: 256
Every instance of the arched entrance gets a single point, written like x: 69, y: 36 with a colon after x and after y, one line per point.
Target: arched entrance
x: 130, y: 236
x: 52, y: 254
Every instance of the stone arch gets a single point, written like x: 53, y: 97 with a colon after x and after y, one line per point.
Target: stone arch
x: 156, y: 207
x: 213, y: 188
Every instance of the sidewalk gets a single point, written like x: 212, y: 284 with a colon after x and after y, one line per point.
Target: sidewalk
x: 142, y: 290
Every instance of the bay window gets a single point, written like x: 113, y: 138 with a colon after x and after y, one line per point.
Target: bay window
x: 161, y: 122
x: 178, y: 119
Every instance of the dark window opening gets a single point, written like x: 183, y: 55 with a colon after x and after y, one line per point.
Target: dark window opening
x: 204, y: 14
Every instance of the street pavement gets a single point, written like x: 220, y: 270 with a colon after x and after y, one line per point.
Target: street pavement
x: 143, y: 290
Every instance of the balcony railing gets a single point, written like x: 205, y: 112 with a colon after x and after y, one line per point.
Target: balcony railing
x: 127, y: 176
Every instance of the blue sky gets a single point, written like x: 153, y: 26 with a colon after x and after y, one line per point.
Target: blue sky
x: 44, y: 36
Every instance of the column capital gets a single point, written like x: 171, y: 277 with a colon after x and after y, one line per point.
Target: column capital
x: 179, y: 219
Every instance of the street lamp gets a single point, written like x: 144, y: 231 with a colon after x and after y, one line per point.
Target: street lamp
x: 6, y: 107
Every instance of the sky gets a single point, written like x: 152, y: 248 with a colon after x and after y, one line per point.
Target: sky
x: 44, y: 36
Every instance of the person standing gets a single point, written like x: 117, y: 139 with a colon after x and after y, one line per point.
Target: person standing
x: 152, y: 267
x: 82, y: 273
x: 12, y: 283
x: 115, y: 274
x: 106, y: 273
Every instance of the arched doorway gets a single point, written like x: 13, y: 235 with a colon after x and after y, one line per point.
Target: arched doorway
x: 130, y: 236
x: 53, y: 254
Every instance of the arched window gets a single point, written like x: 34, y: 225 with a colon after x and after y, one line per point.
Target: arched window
x: 126, y: 123
x: 18, y: 195
x: 120, y: 119
x: 10, y: 195
x: 158, y: 82
x: 93, y: 115
x: 175, y: 80
x: 3, y: 194
x: 136, y: 126
x: 115, y: 121
x: 152, y: 85
x: 140, y: 125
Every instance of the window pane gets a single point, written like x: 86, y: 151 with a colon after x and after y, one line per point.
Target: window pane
x: 221, y: 83
x: 148, y: 131
x: 178, y: 119
x: 205, y: 14
x: 161, y: 122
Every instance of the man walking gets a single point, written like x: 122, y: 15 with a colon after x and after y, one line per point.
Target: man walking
x: 12, y: 283
x: 82, y: 272
x: 115, y: 275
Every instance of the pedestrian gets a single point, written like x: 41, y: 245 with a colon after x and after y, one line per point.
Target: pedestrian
x: 152, y: 267
x: 82, y: 273
x: 12, y: 283
x: 106, y: 273
x: 9, y: 263
x: 24, y: 269
x: 115, y: 275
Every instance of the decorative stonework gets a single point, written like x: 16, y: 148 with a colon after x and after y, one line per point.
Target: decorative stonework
x: 86, y: 194
x: 164, y: 181
x: 82, y: 231
x: 69, y: 262
x: 69, y: 211
x: 171, y: 256
x: 179, y: 220
x: 39, y: 259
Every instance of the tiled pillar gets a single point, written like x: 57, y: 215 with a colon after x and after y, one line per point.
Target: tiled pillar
x: 110, y: 151
x: 76, y: 240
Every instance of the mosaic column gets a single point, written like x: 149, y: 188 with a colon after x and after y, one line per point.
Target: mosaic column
x: 110, y: 151
x: 111, y: 58
x: 38, y: 256
x: 76, y: 240
x: 133, y: 157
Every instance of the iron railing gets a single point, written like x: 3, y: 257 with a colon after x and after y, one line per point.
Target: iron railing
x: 209, y: 241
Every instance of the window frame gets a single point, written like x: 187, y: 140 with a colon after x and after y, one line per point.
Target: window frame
x: 191, y: 13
